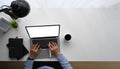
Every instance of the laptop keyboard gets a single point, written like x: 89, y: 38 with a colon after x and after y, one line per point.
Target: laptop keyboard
x: 44, y: 42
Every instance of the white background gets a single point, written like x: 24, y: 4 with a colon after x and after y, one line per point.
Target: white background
x: 95, y: 33
x: 69, y: 3
x: 94, y: 26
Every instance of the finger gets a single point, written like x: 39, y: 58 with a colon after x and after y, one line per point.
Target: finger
x: 38, y: 51
x: 36, y: 45
x: 50, y: 47
x: 39, y: 47
x: 49, y: 44
x: 52, y: 43
x: 32, y: 46
x: 56, y: 44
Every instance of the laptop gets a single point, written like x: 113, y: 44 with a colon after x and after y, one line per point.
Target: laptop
x: 42, y: 35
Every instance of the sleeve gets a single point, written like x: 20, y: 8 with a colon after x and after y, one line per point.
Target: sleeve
x: 64, y: 62
x: 29, y: 64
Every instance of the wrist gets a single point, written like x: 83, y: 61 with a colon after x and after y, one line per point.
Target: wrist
x: 30, y: 58
x: 58, y: 54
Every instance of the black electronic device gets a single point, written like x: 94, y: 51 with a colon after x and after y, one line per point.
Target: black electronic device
x: 17, y: 9
x: 16, y: 48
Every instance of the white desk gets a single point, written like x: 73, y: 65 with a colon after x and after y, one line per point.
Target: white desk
x: 95, y: 33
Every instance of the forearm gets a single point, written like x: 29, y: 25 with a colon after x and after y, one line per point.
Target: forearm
x: 29, y: 64
x: 64, y: 62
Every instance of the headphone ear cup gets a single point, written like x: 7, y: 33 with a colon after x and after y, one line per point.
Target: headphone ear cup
x: 20, y: 8
x: 15, y: 5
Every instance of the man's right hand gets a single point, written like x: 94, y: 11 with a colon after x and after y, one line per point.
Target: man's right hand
x: 54, y: 48
x: 34, y: 51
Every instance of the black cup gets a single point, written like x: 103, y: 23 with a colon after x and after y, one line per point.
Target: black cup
x: 67, y: 37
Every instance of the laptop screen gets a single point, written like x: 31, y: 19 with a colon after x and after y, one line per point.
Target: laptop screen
x: 43, y: 31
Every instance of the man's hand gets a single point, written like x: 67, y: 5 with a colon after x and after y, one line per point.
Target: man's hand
x: 54, y: 48
x: 34, y: 51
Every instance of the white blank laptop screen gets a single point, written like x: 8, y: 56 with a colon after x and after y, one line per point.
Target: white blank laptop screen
x: 43, y: 31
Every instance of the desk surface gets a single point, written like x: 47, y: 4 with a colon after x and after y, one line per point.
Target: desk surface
x: 95, y: 33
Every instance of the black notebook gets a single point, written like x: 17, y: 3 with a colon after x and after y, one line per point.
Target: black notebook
x: 16, y: 48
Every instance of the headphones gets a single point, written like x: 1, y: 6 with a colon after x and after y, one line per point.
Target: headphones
x: 17, y: 9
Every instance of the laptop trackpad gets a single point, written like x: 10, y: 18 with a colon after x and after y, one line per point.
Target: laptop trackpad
x: 43, y: 54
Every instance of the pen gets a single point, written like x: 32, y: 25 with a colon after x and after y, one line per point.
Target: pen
x: 50, y: 53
